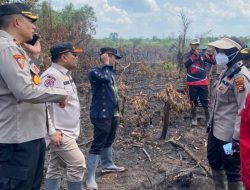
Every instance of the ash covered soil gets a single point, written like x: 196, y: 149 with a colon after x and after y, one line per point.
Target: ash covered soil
x: 153, y: 163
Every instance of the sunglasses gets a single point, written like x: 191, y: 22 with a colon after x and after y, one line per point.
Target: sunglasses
x: 75, y: 54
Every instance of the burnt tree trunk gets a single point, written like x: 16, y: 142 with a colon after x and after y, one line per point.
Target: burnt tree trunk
x: 166, y: 113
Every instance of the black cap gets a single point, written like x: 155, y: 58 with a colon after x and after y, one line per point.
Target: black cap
x: 17, y: 8
x: 63, y: 47
x: 111, y: 51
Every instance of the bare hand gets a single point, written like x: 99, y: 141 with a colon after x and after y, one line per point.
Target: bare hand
x: 196, y: 51
x: 35, y: 49
x: 64, y: 102
x: 56, y: 138
x: 105, y: 58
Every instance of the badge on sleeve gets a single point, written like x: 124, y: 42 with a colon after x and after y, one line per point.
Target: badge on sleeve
x: 36, y: 79
x: 239, y: 82
x: 20, y: 60
x: 50, y: 81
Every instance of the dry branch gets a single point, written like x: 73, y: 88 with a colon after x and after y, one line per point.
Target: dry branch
x: 189, y: 152
x: 184, y: 170
x: 149, y: 158
x: 144, y: 150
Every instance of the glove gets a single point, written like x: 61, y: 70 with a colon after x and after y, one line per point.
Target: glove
x: 235, y: 145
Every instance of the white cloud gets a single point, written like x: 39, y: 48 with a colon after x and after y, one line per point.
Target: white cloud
x: 243, y: 6
x: 218, y: 11
x: 153, y: 5
x: 108, y: 13
x: 147, y: 18
x: 137, y: 6
x: 104, y: 11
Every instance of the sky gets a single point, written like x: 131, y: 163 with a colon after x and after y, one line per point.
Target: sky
x: 148, y: 18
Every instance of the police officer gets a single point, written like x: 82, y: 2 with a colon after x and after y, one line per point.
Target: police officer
x: 230, y: 94
x: 64, y: 124
x: 104, y: 113
x: 22, y: 119
x: 197, y: 81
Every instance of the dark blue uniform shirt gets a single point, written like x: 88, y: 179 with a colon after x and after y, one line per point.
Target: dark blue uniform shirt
x: 104, y: 96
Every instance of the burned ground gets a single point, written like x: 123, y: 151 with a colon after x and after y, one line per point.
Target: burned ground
x: 177, y: 162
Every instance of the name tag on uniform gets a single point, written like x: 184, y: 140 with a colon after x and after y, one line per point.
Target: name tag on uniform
x: 34, y: 69
x: 223, y: 86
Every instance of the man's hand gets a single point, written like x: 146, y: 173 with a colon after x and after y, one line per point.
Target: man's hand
x: 196, y: 51
x: 35, y: 49
x: 56, y: 138
x: 235, y: 146
x: 105, y: 58
x: 63, y: 103
x: 209, y: 126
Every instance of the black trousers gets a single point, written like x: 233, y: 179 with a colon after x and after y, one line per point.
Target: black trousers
x: 218, y: 160
x: 104, y: 134
x: 21, y: 165
x: 200, y: 92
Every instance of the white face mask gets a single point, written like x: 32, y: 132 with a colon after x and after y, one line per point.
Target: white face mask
x: 221, y: 59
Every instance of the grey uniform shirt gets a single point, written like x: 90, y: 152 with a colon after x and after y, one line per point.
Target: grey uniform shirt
x: 230, y: 96
x: 22, y: 119
x: 67, y: 119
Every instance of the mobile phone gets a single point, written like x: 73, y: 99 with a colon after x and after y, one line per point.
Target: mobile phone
x: 33, y: 40
x: 227, y: 148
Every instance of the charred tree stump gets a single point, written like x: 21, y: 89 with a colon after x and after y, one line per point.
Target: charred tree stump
x: 166, y: 113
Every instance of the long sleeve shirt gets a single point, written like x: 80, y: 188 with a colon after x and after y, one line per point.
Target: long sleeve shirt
x: 104, y: 93
x: 230, y: 96
x: 196, y: 69
x: 22, y: 101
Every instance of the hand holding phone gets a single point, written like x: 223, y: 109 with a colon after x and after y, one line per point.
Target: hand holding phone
x: 227, y: 148
x: 33, y: 40
x: 34, y: 49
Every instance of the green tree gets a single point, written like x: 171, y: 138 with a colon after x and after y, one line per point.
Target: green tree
x: 114, y: 36
x: 80, y: 23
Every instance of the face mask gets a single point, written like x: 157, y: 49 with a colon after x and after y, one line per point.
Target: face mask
x: 221, y: 59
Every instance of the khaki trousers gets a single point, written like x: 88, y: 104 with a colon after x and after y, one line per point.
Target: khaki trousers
x: 66, y: 155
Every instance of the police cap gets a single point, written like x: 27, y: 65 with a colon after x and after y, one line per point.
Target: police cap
x: 17, y: 8
x: 110, y: 50
x: 61, y: 48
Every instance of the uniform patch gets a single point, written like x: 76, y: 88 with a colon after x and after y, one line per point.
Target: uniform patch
x: 50, y: 81
x: 34, y: 69
x: 20, y: 59
x: 36, y: 79
x: 240, y: 86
